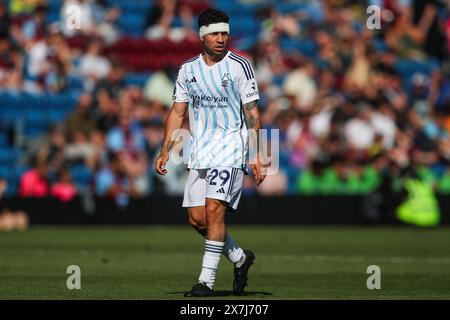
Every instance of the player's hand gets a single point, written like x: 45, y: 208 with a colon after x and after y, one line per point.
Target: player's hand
x: 160, y: 164
x: 259, y: 171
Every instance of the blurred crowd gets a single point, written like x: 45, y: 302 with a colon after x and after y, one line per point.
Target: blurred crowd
x: 353, y: 105
x: 370, y: 103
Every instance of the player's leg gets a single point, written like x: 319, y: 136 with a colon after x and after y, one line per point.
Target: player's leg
x: 215, y: 219
x: 197, y: 219
x: 217, y: 242
x: 214, y: 242
x: 223, y: 189
x: 233, y: 252
x: 242, y: 259
x: 224, y: 185
x: 194, y: 200
x: 213, y: 228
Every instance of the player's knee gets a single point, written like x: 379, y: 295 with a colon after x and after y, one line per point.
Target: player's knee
x: 214, y: 212
x: 197, y: 223
x: 212, y: 209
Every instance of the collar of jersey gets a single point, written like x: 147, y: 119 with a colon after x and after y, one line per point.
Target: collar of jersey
x: 202, y: 61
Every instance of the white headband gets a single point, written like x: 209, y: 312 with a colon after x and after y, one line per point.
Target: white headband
x: 214, y: 27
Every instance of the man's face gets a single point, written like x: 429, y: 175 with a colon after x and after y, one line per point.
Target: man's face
x: 216, y: 43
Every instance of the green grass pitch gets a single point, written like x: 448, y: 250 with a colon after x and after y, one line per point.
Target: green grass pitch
x: 161, y: 262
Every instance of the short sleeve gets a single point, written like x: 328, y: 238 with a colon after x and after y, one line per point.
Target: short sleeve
x: 180, y: 92
x: 246, y: 83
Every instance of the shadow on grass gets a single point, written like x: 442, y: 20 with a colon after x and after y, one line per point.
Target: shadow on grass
x: 229, y: 293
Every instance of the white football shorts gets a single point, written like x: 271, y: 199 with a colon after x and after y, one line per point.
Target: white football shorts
x: 221, y: 183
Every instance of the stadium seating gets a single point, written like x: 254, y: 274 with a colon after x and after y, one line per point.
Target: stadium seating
x: 33, y: 114
x: 81, y: 176
x: 3, y: 140
x: 137, y: 79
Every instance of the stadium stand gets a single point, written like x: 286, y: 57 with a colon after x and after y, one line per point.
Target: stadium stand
x: 352, y: 105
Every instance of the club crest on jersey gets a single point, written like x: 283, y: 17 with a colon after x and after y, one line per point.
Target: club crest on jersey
x: 225, y: 80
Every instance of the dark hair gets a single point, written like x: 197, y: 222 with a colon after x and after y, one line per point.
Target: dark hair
x: 210, y: 16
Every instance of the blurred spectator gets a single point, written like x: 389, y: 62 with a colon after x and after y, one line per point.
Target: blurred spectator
x: 127, y: 136
x: 56, y: 79
x: 34, y: 183
x: 404, y: 37
x: 154, y: 136
x: 270, y: 61
x: 430, y: 17
x: 383, y: 123
x: 37, y: 56
x: 159, y: 88
x: 301, y: 86
x: 49, y: 63
x: 160, y: 18
x: 93, y: 66
x: 107, y: 28
x: 63, y: 188
x: 128, y: 141
x: 106, y: 111
x: 163, y: 14
x: 359, y: 131
x: 79, y: 125
x: 187, y: 17
x: 35, y: 26
x: 358, y: 75
x: 11, y: 67
x: 54, y: 148
x: 113, y: 181
x: 10, y: 220
x: 47, y: 148
x: 105, y: 107
x: 113, y: 83
x: 352, y: 105
x: 23, y: 7
x: 84, y: 141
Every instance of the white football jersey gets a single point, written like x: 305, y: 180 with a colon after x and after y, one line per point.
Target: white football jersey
x: 215, y: 95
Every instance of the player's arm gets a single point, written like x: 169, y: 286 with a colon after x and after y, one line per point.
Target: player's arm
x: 174, y: 121
x: 253, y: 122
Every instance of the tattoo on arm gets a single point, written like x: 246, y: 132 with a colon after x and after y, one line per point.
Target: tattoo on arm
x: 252, y: 117
x: 250, y: 106
x: 253, y: 123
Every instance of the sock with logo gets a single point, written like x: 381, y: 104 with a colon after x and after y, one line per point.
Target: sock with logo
x: 211, y: 259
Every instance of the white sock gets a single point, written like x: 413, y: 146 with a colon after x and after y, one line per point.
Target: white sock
x: 233, y: 252
x: 211, y: 259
